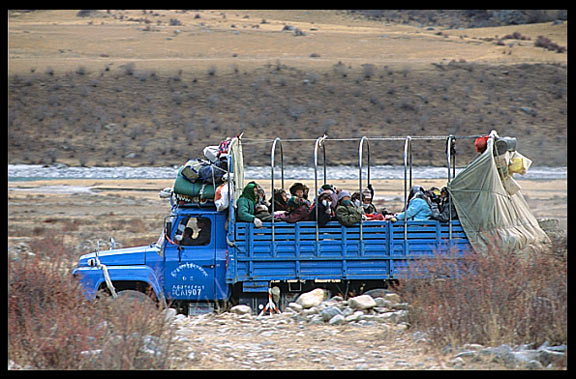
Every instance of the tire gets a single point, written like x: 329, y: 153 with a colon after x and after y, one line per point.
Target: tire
x: 131, y: 299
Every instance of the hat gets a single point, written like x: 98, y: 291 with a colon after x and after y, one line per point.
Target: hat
x: 295, y: 187
x: 367, y: 194
x: 328, y: 187
x: 343, y: 194
x: 435, y: 191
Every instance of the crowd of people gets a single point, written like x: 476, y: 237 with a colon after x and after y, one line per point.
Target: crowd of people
x: 335, y: 204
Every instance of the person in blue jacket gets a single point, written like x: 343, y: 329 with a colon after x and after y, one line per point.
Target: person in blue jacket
x: 418, y: 206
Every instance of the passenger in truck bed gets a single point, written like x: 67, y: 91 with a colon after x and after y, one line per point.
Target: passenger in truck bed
x: 418, y: 206
x: 346, y: 213
x: 297, y: 210
x: 325, y: 211
x: 246, y: 206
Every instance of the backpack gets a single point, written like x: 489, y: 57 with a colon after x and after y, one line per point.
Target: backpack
x: 213, y: 172
x: 191, y: 170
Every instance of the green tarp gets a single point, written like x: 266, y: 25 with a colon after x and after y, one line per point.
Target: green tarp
x: 490, y: 215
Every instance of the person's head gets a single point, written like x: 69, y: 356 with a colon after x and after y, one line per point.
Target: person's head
x: 297, y: 189
x: 415, y: 190
x: 250, y: 191
x: 187, y: 232
x: 328, y: 187
x: 280, y: 196
x: 326, y: 195
x: 366, y: 196
x: 444, y: 192
x: 434, y: 194
x: 201, y: 222
x: 344, y: 198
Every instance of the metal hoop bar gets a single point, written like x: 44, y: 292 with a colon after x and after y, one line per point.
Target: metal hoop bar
x: 272, y: 154
x: 318, y: 143
x: 407, y: 151
x: 360, y: 151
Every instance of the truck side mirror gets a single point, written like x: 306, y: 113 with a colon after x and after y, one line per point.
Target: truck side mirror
x: 168, y: 225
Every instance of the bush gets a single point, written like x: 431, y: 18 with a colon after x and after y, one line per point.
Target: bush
x: 497, y: 298
x: 547, y: 44
x: 52, y: 326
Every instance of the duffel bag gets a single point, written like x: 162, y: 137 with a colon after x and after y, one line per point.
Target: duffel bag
x: 202, y: 191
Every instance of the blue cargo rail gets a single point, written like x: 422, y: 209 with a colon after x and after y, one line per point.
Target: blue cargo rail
x: 382, y: 253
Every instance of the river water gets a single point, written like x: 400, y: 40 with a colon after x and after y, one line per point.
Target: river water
x: 60, y: 171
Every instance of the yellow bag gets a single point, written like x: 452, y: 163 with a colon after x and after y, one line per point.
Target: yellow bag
x: 519, y: 164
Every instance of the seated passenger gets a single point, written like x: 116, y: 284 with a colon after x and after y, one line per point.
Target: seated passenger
x: 280, y: 198
x: 418, y: 206
x: 325, y: 211
x: 346, y: 213
x: 301, y: 191
x: 187, y: 237
x: 203, y: 237
x: 297, y: 210
x: 441, y: 208
x: 367, y: 205
x: 246, y: 206
x: 331, y: 190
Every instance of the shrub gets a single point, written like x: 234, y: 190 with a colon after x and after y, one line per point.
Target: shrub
x: 516, y: 35
x: 497, y: 298
x: 547, y: 44
x: 52, y: 326
x: 81, y: 70
x: 368, y: 70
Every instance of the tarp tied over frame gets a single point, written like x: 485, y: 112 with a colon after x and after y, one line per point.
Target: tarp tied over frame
x: 490, y: 215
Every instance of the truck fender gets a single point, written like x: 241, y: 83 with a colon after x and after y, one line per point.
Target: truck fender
x: 94, y: 277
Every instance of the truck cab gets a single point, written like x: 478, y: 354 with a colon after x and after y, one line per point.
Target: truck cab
x: 194, y: 255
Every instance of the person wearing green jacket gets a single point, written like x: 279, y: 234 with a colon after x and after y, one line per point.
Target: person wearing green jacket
x: 246, y: 205
x: 346, y: 213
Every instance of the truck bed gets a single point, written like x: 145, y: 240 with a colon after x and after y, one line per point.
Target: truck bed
x: 382, y: 253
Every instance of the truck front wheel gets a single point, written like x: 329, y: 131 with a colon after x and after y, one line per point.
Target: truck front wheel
x: 131, y: 299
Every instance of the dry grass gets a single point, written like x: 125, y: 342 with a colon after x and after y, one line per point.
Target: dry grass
x: 497, y: 298
x: 52, y: 326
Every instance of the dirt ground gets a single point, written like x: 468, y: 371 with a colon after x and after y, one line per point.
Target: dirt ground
x: 62, y: 40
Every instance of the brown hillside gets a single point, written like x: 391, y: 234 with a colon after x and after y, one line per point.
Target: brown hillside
x: 154, y: 87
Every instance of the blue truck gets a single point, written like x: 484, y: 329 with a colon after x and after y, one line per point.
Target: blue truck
x: 239, y: 263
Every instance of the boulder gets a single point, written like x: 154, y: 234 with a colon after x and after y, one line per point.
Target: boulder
x: 295, y: 307
x: 337, y: 320
x: 311, y: 299
x: 393, y: 298
x: 362, y: 302
x: 330, y: 312
x: 240, y: 309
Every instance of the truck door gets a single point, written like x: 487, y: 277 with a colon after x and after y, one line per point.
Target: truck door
x: 189, y: 273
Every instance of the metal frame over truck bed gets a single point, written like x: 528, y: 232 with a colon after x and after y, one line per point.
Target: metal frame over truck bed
x: 373, y: 250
